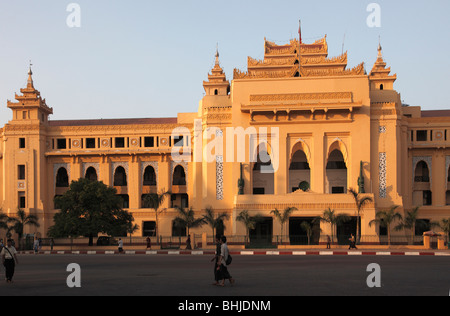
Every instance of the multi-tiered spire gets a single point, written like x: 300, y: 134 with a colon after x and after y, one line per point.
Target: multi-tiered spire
x: 379, y: 76
x: 217, y: 83
x: 30, y: 105
x: 297, y: 59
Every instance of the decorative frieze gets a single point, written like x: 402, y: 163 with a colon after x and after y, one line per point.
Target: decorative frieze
x: 219, y: 178
x: 382, y: 176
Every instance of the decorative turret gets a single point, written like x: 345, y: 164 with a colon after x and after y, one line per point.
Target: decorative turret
x: 217, y: 83
x: 30, y: 105
x: 379, y: 76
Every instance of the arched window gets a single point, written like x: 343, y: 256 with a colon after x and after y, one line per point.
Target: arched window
x: 336, y: 173
x: 299, y: 170
x: 179, y: 176
x: 216, y: 92
x: 62, y: 178
x: 91, y: 174
x: 381, y: 86
x: 422, y: 174
x: 149, y: 176
x: 120, y: 177
x: 263, y: 174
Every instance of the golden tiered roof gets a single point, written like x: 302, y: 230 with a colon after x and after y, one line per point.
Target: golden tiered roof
x: 297, y: 60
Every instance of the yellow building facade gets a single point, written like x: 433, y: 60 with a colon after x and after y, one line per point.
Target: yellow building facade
x: 296, y: 129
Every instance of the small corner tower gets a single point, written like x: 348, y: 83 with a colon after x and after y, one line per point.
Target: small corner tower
x: 217, y: 83
x: 379, y: 76
x: 30, y: 106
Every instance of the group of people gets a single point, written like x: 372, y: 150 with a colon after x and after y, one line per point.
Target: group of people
x: 221, y: 272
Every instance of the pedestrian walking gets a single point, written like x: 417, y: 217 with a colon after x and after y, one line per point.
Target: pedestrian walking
x: 149, y: 243
x: 188, y: 243
x: 52, y: 243
x: 328, y: 242
x: 222, y: 268
x: 9, y: 260
x: 36, y: 245
x: 216, y: 260
x: 120, y: 245
x: 352, y: 242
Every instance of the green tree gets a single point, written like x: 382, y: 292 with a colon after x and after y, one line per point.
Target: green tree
x: 411, y: 221
x: 308, y: 228
x: 19, y: 222
x: 444, y: 224
x: 186, y: 219
x: 329, y: 216
x: 360, y: 202
x: 248, y: 221
x: 283, y: 217
x: 87, y: 209
x: 213, y: 220
x: 155, y: 201
x: 386, y: 219
x: 3, y: 220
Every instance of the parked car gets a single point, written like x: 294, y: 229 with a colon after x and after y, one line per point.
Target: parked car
x: 106, y: 241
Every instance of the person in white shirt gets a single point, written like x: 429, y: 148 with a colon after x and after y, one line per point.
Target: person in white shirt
x: 9, y: 260
x: 222, y: 263
x: 120, y: 245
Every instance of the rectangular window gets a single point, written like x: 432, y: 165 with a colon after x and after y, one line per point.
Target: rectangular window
x: 120, y: 142
x: 21, y: 172
x: 22, y: 200
x: 21, y: 142
x: 61, y: 143
x: 337, y: 190
x: 178, y: 141
x: 90, y: 142
x: 422, y: 136
x: 149, y: 142
x: 258, y: 191
x: 427, y: 200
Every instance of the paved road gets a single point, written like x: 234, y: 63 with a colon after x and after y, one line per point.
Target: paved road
x: 255, y: 276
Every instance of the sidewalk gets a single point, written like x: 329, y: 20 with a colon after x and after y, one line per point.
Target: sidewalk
x: 310, y: 251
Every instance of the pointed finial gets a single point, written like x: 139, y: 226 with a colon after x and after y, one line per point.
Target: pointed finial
x: 30, y: 79
x: 217, y: 54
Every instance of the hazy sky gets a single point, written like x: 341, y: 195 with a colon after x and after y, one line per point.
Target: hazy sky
x: 142, y: 58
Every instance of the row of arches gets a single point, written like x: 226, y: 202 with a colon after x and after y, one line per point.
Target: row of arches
x: 120, y: 176
x: 300, y: 172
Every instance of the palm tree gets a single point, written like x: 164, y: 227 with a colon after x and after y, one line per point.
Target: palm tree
x: 131, y: 229
x: 248, y: 221
x: 444, y: 224
x: 187, y: 220
x: 214, y: 221
x: 20, y: 221
x: 308, y: 228
x: 411, y: 221
x: 3, y: 220
x: 386, y: 218
x: 154, y: 201
x: 283, y: 217
x: 360, y: 202
x: 329, y: 216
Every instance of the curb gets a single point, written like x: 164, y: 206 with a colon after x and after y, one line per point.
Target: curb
x: 244, y: 253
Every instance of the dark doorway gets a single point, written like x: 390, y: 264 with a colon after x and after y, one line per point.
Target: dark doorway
x: 261, y: 236
x: 345, y: 230
x: 298, y: 234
